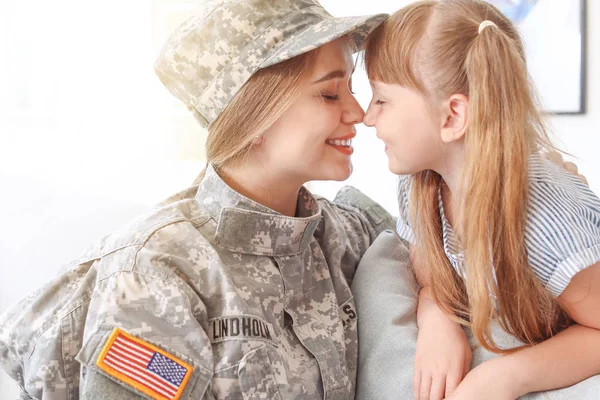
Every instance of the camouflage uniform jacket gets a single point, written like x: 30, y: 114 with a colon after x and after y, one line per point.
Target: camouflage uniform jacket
x: 255, y: 303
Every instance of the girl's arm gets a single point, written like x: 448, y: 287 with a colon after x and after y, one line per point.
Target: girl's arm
x: 564, y: 360
x: 574, y: 354
x: 443, y: 355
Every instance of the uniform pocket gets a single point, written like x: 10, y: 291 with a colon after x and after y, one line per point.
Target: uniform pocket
x: 257, y: 380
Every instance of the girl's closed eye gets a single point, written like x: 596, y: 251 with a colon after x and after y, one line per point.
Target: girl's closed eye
x: 379, y: 102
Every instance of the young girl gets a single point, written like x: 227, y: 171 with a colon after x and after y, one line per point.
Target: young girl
x: 497, y: 232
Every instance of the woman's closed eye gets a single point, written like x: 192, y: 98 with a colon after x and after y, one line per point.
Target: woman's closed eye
x: 330, y: 97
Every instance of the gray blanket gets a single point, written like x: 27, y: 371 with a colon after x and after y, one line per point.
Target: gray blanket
x: 385, y: 293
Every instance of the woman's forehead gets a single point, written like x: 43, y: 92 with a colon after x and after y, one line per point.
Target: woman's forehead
x: 333, y: 56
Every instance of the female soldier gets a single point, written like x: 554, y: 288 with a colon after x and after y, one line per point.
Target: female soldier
x: 238, y: 287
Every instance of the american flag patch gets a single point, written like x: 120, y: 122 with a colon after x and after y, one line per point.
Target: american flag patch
x: 144, y: 366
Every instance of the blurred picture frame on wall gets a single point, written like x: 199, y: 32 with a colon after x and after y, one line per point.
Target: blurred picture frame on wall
x: 554, y: 32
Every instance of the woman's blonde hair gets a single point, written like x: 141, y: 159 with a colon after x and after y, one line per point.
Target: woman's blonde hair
x: 259, y: 103
x: 434, y: 48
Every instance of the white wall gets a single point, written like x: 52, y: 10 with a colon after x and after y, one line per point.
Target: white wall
x: 67, y: 174
x: 89, y: 137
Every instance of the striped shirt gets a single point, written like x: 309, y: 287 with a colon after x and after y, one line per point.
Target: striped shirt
x: 562, y: 232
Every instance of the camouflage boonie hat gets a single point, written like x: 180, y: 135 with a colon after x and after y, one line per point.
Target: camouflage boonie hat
x: 207, y: 60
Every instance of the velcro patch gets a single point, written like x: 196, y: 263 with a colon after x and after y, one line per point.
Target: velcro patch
x: 348, y: 312
x: 144, y: 366
x: 239, y: 327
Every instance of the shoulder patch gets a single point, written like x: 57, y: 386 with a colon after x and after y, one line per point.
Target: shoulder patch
x: 144, y: 366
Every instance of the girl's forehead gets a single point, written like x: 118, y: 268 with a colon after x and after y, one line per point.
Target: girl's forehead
x: 378, y: 85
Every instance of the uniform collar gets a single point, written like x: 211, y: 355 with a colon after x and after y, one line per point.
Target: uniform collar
x: 245, y: 226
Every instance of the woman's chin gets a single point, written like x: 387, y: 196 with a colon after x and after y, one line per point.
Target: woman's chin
x: 343, y: 172
x: 335, y: 172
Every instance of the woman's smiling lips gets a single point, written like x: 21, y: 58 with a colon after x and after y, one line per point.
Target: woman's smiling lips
x: 343, y: 144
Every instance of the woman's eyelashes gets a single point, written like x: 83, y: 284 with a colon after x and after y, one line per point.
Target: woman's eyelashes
x: 333, y: 97
x: 330, y: 97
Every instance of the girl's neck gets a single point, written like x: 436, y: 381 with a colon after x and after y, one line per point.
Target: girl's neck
x: 453, y: 183
x: 451, y: 170
x: 263, y: 187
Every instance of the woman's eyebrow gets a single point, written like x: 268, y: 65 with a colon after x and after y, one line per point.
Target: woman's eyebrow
x: 340, y: 73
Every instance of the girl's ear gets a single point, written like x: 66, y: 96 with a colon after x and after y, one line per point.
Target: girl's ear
x: 454, y: 118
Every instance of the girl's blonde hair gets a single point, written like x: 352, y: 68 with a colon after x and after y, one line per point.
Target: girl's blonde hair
x: 258, y: 104
x: 434, y: 48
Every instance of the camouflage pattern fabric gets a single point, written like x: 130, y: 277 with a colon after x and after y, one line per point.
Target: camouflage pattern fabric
x: 257, y: 302
x: 211, y: 55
